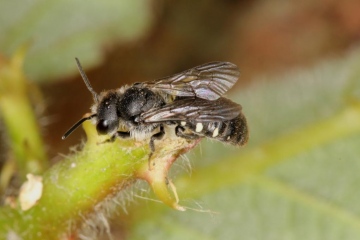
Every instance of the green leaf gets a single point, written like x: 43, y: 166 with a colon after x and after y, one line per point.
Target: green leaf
x: 58, y: 31
x: 298, y: 177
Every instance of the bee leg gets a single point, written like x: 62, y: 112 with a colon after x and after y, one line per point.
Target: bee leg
x: 156, y: 136
x: 118, y: 134
x: 180, y: 132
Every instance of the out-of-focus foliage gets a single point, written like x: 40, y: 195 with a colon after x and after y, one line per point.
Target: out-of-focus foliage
x: 58, y: 31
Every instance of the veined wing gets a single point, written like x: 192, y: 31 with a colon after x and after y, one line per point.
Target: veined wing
x: 190, y: 109
x: 208, y: 81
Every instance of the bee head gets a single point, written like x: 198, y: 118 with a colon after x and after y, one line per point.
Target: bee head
x: 107, y: 118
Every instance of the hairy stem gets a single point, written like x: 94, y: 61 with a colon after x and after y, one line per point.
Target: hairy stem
x: 73, y: 187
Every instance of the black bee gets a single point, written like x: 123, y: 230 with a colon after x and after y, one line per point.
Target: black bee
x: 190, y: 100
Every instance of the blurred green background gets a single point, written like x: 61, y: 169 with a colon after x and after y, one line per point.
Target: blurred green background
x: 299, y: 88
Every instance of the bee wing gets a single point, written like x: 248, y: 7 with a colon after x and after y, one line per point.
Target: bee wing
x: 193, y: 109
x: 208, y: 81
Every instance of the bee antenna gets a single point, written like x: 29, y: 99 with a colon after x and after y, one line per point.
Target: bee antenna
x: 86, y: 81
x: 76, y: 125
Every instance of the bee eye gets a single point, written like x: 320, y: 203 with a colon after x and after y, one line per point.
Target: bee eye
x: 102, y: 127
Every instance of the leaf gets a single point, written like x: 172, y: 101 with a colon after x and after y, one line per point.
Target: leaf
x: 59, y: 31
x: 297, y: 179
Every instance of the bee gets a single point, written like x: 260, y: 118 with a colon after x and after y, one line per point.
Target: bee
x: 191, y: 101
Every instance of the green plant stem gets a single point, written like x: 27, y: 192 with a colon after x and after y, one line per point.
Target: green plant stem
x: 73, y: 187
x: 21, y: 125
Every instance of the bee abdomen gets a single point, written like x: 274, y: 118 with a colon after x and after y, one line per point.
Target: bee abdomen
x: 236, y: 131
x: 233, y: 131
